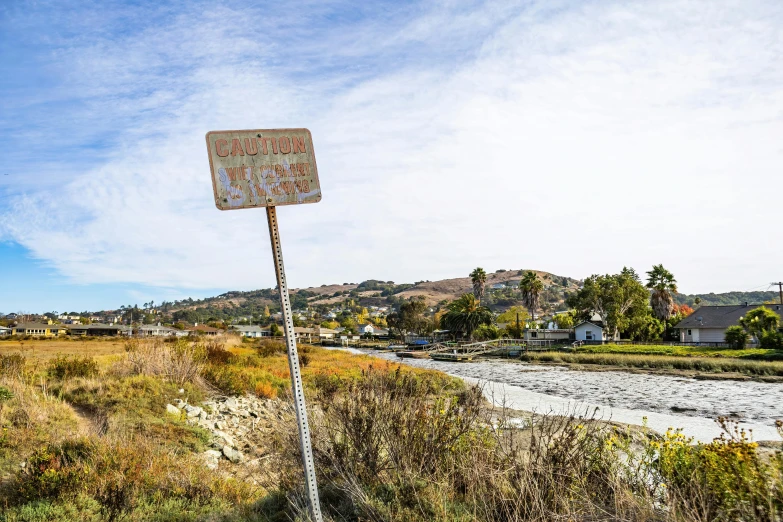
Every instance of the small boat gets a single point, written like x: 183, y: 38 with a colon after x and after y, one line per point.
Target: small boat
x: 413, y: 355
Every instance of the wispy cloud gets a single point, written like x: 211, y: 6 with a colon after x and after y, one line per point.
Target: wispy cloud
x: 570, y: 138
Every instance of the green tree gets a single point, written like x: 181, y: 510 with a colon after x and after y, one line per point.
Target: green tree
x: 762, y: 323
x: 565, y: 320
x: 618, y: 299
x: 466, y: 314
x: 510, y: 315
x: 412, y: 316
x: 479, y: 279
x: 531, y: 286
x: 663, y: 286
x: 737, y: 337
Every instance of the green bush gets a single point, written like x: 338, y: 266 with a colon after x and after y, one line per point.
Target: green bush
x: 771, y: 340
x: 737, y: 337
x: 63, y: 367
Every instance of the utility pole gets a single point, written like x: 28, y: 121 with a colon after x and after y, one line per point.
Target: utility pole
x: 779, y: 284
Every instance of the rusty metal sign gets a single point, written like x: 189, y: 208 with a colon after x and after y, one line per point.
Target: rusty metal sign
x: 262, y: 168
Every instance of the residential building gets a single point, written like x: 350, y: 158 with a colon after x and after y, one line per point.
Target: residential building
x: 708, y: 324
x: 156, y: 330
x: 251, y: 330
x: 325, y: 333
x: 304, y: 334
x: 588, y: 331
x: 202, y: 329
x: 98, y: 330
x: 5, y: 331
x: 555, y: 334
x: 40, y: 329
x: 366, y: 329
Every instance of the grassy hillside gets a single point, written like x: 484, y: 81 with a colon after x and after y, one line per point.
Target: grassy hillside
x: 188, y: 431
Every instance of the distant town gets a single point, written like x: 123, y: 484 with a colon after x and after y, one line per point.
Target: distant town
x: 521, y: 304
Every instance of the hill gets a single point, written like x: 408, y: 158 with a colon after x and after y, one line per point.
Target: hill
x: 501, y: 293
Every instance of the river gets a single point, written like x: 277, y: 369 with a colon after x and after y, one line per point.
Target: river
x: 665, y: 401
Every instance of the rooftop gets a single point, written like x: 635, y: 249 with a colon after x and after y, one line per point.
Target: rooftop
x: 721, y: 316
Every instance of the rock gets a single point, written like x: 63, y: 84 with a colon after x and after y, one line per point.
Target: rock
x: 181, y: 391
x: 193, y: 411
x: 231, y: 403
x: 203, y: 415
x: 211, y: 458
x: 231, y: 454
x: 172, y: 410
x: 180, y: 403
x: 225, y: 438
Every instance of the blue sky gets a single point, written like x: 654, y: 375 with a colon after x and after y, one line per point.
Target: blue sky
x: 573, y: 137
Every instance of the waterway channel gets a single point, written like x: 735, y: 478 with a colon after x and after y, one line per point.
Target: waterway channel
x: 665, y: 401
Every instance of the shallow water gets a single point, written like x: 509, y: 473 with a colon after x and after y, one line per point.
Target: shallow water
x: 665, y: 401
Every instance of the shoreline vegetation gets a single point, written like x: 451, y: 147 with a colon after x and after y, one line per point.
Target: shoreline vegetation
x: 700, y: 362
x: 90, y: 439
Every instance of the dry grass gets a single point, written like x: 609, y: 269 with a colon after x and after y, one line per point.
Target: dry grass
x: 104, y: 351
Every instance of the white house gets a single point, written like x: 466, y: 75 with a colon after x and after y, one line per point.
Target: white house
x: 251, y: 331
x: 587, y: 331
x: 4, y: 331
x: 156, y: 330
x: 368, y: 329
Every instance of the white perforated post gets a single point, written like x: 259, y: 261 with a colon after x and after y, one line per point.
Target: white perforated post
x: 293, y: 363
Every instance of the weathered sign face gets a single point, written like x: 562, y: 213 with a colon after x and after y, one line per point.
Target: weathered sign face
x: 263, y: 168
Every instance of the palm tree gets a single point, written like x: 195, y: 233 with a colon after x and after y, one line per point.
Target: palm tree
x: 479, y: 278
x: 531, y: 286
x: 663, y: 285
x: 465, y: 315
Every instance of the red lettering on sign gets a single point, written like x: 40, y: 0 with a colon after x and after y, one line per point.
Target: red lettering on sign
x: 274, y: 145
x: 220, y: 148
x: 251, y: 147
x: 236, y: 148
x: 279, y: 171
x: 262, y: 141
x: 285, y: 145
x: 298, y: 145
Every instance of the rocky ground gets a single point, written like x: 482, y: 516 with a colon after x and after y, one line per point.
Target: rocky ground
x: 243, y: 429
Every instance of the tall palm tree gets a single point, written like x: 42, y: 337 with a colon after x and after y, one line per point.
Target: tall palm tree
x: 479, y: 278
x: 531, y: 286
x: 465, y: 315
x: 663, y: 285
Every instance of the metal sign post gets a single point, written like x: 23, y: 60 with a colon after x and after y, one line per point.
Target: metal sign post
x: 266, y: 168
x: 293, y: 363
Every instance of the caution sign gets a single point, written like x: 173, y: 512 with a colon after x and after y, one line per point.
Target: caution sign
x: 263, y: 168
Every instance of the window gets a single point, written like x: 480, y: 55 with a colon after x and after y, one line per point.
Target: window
x: 689, y: 332
x: 589, y: 335
x: 533, y: 334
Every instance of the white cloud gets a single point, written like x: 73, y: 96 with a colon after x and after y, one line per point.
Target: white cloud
x: 575, y: 140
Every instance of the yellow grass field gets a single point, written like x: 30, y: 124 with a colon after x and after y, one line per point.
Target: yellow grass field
x: 42, y: 350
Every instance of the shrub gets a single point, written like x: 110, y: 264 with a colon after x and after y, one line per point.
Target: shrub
x: 179, y: 362
x: 12, y: 365
x: 737, y: 337
x: 772, y: 340
x: 723, y: 480
x: 266, y: 390
x: 63, y: 367
x: 269, y: 348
